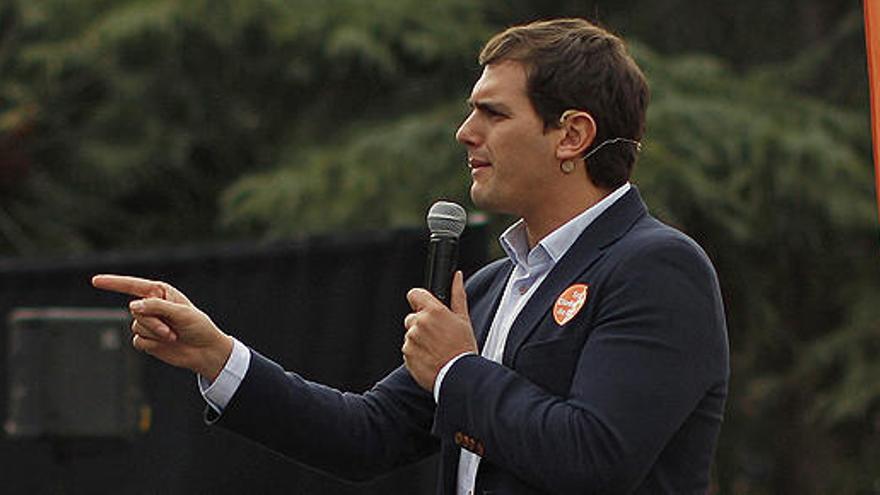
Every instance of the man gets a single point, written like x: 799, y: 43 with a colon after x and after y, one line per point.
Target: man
x: 593, y: 359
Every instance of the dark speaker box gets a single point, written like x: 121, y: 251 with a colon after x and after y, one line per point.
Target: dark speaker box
x: 73, y: 375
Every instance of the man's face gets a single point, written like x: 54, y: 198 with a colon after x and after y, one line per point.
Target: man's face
x: 510, y: 156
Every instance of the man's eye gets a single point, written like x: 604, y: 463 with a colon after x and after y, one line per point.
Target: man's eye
x: 494, y: 113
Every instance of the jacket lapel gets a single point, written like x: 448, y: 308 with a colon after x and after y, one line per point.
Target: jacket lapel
x: 607, y: 228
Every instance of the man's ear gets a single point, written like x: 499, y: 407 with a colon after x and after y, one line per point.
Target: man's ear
x: 578, y: 132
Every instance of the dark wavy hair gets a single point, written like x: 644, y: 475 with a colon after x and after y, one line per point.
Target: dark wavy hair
x: 575, y: 64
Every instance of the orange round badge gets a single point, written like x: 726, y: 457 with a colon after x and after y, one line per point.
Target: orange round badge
x: 569, y: 303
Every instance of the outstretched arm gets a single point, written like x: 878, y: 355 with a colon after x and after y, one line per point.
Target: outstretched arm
x: 354, y: 436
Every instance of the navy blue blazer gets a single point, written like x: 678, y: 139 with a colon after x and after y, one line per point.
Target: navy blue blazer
x: 625, y: 397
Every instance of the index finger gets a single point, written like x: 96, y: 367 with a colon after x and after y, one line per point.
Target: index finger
x: 420, y: 299
x: 133, y: 286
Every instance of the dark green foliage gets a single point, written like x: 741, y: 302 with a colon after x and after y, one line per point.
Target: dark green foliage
x: 144, y: 112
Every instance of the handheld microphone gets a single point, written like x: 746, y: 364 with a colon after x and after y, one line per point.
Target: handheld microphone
x: 446, y: 222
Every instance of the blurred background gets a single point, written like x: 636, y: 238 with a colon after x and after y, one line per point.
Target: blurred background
x: 132, y: 125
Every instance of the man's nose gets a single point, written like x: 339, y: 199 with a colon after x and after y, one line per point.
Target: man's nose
x: 466, y: 134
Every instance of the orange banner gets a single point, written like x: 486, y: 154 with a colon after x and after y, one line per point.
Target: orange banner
x: 872, y: 38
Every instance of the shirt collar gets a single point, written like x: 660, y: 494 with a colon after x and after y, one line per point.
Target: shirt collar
x: 515, y: 242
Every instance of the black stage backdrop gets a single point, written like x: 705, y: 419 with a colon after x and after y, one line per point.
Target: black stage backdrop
x: 329, y: 307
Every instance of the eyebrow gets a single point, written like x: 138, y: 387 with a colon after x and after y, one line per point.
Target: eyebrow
x: 489, y: 106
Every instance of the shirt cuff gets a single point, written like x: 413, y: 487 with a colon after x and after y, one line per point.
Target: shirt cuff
x: 219, y: 393
x: 439, y: 380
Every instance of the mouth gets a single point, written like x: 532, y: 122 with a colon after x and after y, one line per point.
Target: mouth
x: 475, y: 163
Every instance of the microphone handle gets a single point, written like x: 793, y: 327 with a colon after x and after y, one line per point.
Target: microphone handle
x: 442, y: 262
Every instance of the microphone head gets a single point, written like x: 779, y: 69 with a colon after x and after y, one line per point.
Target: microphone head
x: 446, y: 219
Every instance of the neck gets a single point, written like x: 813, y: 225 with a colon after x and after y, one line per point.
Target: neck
x: 552, y: 215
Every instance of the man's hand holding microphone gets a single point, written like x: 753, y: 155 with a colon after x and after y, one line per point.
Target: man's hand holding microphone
x: 436, y: 333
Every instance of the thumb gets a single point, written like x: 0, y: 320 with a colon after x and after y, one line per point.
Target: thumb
x: 458, y: 299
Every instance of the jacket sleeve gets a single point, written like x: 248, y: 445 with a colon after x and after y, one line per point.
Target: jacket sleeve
x: 657, y: 344
x: 352, y: 436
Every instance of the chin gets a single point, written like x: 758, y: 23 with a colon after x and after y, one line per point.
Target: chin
x: 488, y: 203
x: 479, y: 199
